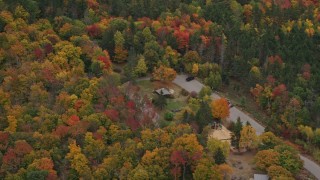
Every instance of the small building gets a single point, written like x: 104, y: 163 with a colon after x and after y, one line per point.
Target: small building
x: 165, y: 92
x: 260, y: 177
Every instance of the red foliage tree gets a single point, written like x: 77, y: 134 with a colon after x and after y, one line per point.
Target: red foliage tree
x: 4, y: 140
x: 306, y: 71
x: 177, y: 160
x: 78, y: 104
x: 132, y: 123
x: 271, y: 80
x: 105, y: 59
x: 73, y: 120
x: 10, y: 161
x: 38, y: 53
x: 131, y: 105
x: 61, y: 131
x: 22, y: 148
x: 93, y: 30
x: 274, y: 59
x: 112, y: 114
x: 48, y: 75
x: 182, y: 37
x: 48, y: 48
x: 284, y: 4
x: 279, y: 90
x: 92, y: 4
x: 79, y: 129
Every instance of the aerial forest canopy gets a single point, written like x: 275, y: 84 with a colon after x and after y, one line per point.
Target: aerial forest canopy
x: 67, y: 109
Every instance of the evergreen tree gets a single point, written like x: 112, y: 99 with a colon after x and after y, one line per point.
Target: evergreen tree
x: 219, y: 157
x: 160, y: 101
x: 236, y: 131
x: 203, y: 116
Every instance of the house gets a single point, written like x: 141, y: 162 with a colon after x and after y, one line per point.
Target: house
x: 165, y: 92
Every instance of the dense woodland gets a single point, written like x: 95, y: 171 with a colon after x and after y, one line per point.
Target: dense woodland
x: 65, y: 113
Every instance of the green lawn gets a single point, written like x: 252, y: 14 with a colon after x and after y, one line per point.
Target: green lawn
x: 174, y: 104
x: 146, y: 87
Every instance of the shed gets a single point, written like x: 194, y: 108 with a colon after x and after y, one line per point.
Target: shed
x: 164, y: 91
x: 260, y: 177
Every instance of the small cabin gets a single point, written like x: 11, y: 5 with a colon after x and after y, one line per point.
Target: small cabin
x: 165, y: 92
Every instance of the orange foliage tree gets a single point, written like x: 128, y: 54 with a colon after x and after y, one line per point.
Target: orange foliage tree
x: 266, y: 158
x: 164, y: 74
x: 220, y: 108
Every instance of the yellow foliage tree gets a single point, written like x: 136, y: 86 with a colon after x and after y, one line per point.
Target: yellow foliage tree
x: 278, y: 172
x: 195, y: 69
x: 141, y: 68
x: 78, y: 161
x: 12, y: 124
x: 220, y: 108
x: 248, y: 137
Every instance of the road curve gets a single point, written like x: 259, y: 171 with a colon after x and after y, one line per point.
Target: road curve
x: 196, y: 86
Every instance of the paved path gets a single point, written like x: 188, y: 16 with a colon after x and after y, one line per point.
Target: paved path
x: 196, y: 86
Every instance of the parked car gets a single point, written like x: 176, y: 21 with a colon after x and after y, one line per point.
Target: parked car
x: 230, y: 104
x: 190, y: 78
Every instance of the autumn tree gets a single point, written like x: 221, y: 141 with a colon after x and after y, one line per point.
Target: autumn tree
x: 189, y: 59
x: 220, y: 108
x: 12, y: 124
x: 195, y: 69
x: 206, y: 170
x: 164, y: 74
x: 214, y: 144
x: 188, y: 147
x: 248, y: 137
x: 205, y: 91
x: 139, y: 173
x: 289, y: 158
x: 156, y: 163
x: 78, y: 161
x: 266, y: 158
x: 268, y: 140
x: 141, y: 68
x: 44, y: 164
x: 95, y: 149
x: 278, y: 172
x: 120, y: 53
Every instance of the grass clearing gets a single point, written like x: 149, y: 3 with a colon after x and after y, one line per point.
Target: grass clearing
x: 147, y: 87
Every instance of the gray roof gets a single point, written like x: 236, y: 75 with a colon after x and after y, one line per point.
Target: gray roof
x: 260, y: 177
x: 163, y: 91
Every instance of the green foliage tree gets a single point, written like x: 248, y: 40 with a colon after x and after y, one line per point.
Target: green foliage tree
x: 214, y: 80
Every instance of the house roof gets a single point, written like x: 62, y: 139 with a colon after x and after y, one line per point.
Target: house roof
x: 260, y: 177
x: 164, y: 91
